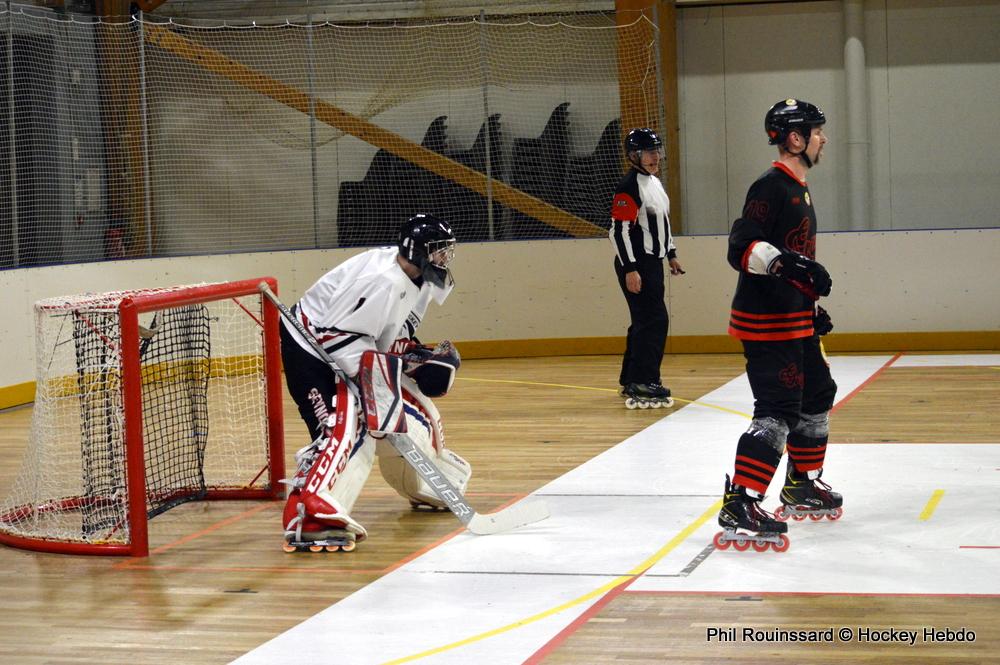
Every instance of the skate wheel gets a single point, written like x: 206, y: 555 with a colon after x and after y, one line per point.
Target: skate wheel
x: 741, y: 544
x: 669, y: 403
x: 289, y: 548
x: 837, y: 514
x: 331, y: 548
x: 780, y: 514
x: 643, y: 405
x: 631, y: 403
x: 815, y: 517
x: 783, y: 546
x: 760, y: 545
x: 316, y: 548
x: 798, y: 517
x: 720, y: 542
x: 349, y: 547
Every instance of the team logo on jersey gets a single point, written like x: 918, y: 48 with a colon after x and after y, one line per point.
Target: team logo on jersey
x: 808, y: 200
x: 801, y: 240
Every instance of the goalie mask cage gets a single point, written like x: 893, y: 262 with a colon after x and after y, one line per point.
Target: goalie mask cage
x: 145, y: 400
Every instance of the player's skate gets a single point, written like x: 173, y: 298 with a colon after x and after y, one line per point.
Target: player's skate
x: 307, y: 534
x: 745, y: 523
x: 803, y: 497
x: 646, y: 396
x: 326, y: 484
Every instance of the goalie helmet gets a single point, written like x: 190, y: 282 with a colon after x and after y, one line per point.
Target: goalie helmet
x: 791, y: 114
x: 639, y: 139
x: 428, y: 242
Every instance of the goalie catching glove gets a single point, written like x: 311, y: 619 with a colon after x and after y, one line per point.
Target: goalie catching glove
x: 432, y: 368
x: 805, y: 274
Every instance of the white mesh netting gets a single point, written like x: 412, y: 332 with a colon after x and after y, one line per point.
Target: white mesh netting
x: 204, y: 418
x: 152, y: 139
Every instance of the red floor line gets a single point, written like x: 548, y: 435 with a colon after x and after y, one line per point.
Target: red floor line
x: 866, y: 382
x: 915, y: 443
x: 565, y: 633
x: 444, y: 539
x: 979, y: 547
x: 647, y: 592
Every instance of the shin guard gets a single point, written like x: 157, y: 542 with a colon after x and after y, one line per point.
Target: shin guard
x: 758, y: 453
x: 807, y: 443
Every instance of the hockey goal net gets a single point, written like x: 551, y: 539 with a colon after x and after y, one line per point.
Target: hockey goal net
x: 145, y: 400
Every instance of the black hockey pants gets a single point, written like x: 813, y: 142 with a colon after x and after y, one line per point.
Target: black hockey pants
x: 788, y: 378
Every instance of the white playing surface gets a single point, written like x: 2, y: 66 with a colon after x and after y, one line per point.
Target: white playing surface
x: 499, y: 598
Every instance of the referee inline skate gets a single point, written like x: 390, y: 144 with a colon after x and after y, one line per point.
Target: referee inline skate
x: 646, y: 396
x: 744, y: 523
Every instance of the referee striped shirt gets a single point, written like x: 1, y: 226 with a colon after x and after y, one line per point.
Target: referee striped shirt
x: 640, y: 220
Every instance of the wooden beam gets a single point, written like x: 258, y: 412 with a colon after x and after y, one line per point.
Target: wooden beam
x: 637, y: 93
x: 667, y: 15
x: 122, y: 123
x: 639, y: 97
x: 148, y: 5
x: 349, y: 123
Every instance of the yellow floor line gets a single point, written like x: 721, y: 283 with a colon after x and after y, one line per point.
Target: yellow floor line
x: 596, y: 593
x: 603, y: 390
x: 932, y: 504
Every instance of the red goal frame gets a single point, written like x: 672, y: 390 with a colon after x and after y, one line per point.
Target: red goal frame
x: 129, y: 309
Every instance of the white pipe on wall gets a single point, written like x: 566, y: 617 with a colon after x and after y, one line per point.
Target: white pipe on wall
x: 858, y: 142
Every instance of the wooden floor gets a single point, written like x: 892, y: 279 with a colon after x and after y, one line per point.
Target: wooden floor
x: 217, y: 583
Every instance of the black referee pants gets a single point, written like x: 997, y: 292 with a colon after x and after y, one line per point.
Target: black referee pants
x: 647, y: 333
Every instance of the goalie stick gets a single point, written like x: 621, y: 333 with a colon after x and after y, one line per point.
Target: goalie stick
x: 509, y: 518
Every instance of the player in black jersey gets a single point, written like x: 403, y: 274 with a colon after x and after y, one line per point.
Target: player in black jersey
x: 774, y: 315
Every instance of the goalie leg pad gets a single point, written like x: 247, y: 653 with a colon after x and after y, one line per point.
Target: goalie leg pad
x: 407, y: 482
x: 424, y: 428
x: 331, y: 473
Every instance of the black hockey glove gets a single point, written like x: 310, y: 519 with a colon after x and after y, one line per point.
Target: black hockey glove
x: 805, y: 274
x: 821, y: 322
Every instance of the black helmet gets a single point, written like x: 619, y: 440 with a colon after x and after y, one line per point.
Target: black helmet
x: 639, y: 139
x: 423, y: 236
x: 642, y: 138
x: 791, y: 114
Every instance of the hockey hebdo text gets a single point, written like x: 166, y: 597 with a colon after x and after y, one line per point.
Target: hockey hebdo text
x: 844, y: 634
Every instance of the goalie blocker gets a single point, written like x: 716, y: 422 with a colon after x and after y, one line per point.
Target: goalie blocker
x: 396, y: 400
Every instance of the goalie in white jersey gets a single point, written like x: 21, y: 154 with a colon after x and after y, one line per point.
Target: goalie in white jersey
x: 373, y: 302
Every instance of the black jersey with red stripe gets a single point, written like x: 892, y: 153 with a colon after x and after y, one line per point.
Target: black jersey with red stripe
x: 779, y: 211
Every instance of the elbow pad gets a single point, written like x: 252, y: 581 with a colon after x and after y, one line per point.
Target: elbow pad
x: 759, y: 258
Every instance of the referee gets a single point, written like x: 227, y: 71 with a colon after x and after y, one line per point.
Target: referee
x: 640, y: 235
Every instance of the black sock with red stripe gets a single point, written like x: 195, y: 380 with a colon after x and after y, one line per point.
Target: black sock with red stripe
x: 756, y: 462
x: 805, y: 452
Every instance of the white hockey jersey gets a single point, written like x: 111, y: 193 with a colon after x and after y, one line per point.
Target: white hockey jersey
x: 367, y: 302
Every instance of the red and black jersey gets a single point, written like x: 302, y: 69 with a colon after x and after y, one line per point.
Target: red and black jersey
x: 640, y: 220
x: 779, y: 211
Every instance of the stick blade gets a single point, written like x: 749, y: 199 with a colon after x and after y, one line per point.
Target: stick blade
x: 513, y: 517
